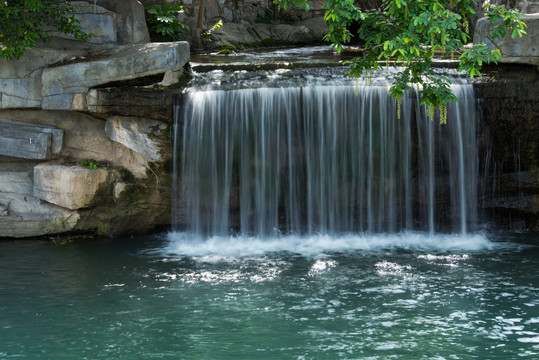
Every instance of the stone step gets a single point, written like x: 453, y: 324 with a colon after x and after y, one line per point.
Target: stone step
x: 29, y: 141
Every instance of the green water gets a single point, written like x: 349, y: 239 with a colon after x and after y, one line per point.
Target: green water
x: 407, y: 296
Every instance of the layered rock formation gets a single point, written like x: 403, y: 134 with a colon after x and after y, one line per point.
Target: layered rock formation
x: 73, y: 155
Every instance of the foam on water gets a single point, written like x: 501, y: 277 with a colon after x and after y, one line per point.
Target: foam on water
x: 189, y: 244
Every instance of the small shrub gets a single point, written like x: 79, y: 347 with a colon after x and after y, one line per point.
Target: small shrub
x: 163, y: 24
x: 89, y: 164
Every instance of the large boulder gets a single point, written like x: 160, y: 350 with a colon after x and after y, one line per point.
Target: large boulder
x: 520, y: 50
x: 71, y: 187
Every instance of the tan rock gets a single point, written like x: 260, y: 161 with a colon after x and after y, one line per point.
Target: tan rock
x: 71, y: 187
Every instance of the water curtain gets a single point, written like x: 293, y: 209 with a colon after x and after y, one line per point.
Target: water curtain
x: 322, y: 159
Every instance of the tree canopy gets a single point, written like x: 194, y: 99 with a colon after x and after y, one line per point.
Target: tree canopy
x: 24, y: 22
x: 411, y: 33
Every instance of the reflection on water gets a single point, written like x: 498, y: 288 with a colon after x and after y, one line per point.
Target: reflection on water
x: 396, y: 296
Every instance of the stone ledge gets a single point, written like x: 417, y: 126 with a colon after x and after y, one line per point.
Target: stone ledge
x: 64, y: 74
x: 27, y: 216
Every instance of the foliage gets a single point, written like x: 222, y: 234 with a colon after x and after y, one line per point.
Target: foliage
x: 24, y: 22
x: 206, y: 35
x: 89, y: 164
x: 162, y: 20
x: 411, y: 33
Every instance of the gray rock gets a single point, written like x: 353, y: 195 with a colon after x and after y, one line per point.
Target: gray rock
x: 85, y: 138
x: 71, y: 187
x: 131, y: 25
x: 64, y: 87
x: 28, y: 216
x: 524, y: 50
x: 96, y: 20
x: 140, y: 135
x: 111, y: 21
x: 232, y: 34
x: 4, y: 209
x: 17, y: 178
x: 29, y: 141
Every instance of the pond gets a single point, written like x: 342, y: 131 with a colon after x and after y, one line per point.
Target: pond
x: 406, y: 295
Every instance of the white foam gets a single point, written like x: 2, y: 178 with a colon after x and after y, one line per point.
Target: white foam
x: 188, y: 244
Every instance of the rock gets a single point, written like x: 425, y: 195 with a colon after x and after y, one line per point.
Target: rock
x: 119, y: 22
x: 62, y: 84
x: 521, y: 50
x: 20, y: 79
x: 71, y: 187
x: 59, y: 77
x: 318, y: 28
x: 28, y: 216
x: 4, y: 209
x: 232, y: 34
x: 131, y: 25
x: 118, y: 190
x: 85, y: 138
x: 17, y: 178
x: 145, y: 103
x: 96, y: 20
x: 140, y: 135
x: 29, y: 141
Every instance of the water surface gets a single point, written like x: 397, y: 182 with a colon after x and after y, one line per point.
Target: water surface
x: 399, y: 296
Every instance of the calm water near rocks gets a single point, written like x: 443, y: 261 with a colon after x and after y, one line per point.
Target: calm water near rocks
x: 400, y: 296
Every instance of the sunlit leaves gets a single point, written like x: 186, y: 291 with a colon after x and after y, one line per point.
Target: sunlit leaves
x: 23, y: 24
x: 412, y: 33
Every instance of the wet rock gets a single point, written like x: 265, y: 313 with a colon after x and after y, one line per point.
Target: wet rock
x: 145, y: 103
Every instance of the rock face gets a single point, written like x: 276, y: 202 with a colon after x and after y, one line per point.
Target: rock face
x: 120, y: 22
x: 59, y: 75
x: 509, y: 146
x: 57, y: 107
x: 520, y: 50
x: 140, y: 135
x: 309, y: 31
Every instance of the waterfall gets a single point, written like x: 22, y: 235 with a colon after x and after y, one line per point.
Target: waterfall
x: 322, y: 159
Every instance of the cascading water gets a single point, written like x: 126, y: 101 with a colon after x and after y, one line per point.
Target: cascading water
x: 322, y: 157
